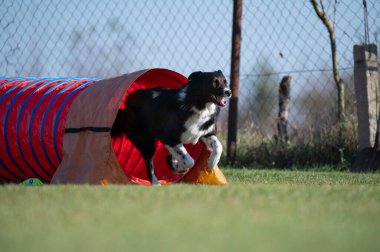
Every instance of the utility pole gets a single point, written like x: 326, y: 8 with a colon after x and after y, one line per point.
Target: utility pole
x: 234, y: 82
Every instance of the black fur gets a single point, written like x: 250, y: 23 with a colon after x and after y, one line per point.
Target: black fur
x: 161, y: 113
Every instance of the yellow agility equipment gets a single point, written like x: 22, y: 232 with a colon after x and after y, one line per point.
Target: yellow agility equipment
x: 200, y: 174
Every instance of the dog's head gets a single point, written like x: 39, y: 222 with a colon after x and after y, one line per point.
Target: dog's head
x: 212, y: 85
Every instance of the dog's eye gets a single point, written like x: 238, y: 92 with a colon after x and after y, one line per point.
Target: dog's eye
x: 225, y: 82
x: 215, y: 83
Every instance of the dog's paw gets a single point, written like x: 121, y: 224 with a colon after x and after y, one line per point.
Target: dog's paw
x: 187, y: 162
x: 181, y: 171
x: 184, y: 166
x: 212, y: 162
x: 173, y: 163
x: 155, y: 181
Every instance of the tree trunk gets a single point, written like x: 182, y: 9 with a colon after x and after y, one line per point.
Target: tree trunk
x: 284, y: 100
x: 319, y: 9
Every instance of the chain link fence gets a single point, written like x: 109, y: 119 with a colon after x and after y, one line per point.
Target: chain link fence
x: 287, y: 38
x: 108, y: 38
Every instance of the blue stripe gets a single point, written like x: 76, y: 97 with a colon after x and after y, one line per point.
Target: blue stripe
x: 10, y: 80
x: 51, y: 104
x: 21, y: 77
x: 14, y: 98
x: 20, y: 116
x: 1, y: 99
x: 9, y: 171
x: 22, y: 112
x: 59, y: 115
x: 48, y: 77
x: 31, y: 124
x: 11, y: 89
x: 47, y: 112
x: 42, y: 131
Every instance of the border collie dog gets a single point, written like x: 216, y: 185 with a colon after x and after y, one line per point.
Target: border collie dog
x: 175, y: 117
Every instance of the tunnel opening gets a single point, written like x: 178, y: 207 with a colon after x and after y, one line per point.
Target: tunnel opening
x: 128, y: 157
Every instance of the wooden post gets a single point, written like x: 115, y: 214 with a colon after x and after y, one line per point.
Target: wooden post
x: 283, y: 103
x: 234, y: 83
x: 366, y: 77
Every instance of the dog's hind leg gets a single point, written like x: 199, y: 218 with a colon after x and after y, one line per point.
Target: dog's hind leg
x: 123, y: 122
x: 147, y: 149
x: 150, y: 172
x: 128, y: 123
x: 146, y: 146
x: 181, y: 159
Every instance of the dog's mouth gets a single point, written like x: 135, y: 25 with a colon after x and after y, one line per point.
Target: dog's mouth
x: 220, y: 97
x: 219, y: 100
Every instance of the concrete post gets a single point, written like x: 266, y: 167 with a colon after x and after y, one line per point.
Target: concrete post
x: 366, y: 78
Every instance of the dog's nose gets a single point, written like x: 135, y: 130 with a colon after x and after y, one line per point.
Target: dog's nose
x: 227, y: 92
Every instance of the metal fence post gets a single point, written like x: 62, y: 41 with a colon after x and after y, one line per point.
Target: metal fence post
x: 234, y: 82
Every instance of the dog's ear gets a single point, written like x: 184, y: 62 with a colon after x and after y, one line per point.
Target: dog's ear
x: 195, y: 75
x: 219, y: 71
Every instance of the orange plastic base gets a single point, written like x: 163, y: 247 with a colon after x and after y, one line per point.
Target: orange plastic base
x: 200, y: 174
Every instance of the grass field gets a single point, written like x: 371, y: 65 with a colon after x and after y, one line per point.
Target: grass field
x: 257, y: 211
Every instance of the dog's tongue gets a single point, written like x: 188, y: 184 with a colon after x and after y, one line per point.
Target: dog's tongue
x: 221, y: 100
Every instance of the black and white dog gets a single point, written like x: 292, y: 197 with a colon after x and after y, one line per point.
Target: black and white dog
x: 175, y: 117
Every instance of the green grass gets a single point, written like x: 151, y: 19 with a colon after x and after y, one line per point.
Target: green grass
x: 257, y: 211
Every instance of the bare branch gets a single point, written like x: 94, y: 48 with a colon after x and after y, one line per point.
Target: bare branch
x: 338, y: 81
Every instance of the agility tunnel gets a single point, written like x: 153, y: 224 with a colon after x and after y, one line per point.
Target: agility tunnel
x: 58, y: 130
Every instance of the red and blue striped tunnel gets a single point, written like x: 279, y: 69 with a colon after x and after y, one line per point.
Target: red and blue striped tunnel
x: 33, y: 115
x: 33, y: 112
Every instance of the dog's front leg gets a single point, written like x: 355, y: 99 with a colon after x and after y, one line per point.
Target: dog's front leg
x: 212, y: 143
x: 183, y: 159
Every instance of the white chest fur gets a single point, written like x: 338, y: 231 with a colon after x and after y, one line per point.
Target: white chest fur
x: 193, y: 123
